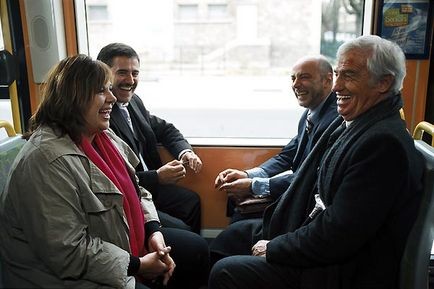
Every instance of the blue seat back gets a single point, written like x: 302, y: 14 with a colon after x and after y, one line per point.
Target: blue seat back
x: 9, y: 148
x: 415, y: 261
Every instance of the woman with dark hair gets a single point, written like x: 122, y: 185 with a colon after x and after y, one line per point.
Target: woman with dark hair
x: 72, y: 213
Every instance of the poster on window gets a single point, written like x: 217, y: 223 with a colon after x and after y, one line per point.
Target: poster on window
x: 407, y: 23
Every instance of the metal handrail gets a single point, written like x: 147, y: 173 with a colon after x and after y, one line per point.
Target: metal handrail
x: 423, y: 127
x: 8, y: 127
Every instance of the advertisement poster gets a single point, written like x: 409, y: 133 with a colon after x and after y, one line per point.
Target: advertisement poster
x: 406, y: 23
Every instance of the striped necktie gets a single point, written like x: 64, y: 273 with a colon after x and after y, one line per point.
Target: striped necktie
x: 309, y: 123
x: 125, y: 113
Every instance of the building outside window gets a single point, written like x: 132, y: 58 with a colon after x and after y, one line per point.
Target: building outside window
x: 220, y: 68
x: 217, y: 11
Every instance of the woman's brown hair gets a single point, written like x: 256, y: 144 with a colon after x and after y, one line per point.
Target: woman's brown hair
x: 70, y: 87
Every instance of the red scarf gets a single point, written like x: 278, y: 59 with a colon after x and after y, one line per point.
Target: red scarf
x: 107, y: 158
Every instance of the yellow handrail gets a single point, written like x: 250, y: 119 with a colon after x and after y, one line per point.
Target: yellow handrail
x: 401, y: 112
x: 422, y: 127
x: 8, y: 127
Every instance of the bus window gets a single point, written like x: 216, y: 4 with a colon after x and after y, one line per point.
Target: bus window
x: 2, y: 45
x: 5, y: 103
x: 219, y: 69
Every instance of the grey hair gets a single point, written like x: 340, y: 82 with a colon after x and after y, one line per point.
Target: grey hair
x: 385, y: 58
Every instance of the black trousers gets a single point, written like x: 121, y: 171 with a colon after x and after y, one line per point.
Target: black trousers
x: 191, y: 255
x: 178, y: 208
x: 252, y: 272
x: 235, y: 267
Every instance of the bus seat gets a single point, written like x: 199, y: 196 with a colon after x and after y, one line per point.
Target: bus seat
x: 423, y: 127
x: 415, y: 260
x: 9, y: 148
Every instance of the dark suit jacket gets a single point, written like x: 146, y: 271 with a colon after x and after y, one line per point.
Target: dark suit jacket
x: 149, y: 130
x: 370, y: 182
x: 293, y: 154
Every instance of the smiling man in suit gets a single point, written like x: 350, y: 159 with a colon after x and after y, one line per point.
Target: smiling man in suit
x: 312, y: 80
x: 364, y: 176
x: 178, y: 207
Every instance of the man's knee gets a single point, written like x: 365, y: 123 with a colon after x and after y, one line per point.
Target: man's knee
x: 192, y: 196
x: 221, y: 273
x: 168, y: 221
x: 236, y: 239
x: 237, y: 272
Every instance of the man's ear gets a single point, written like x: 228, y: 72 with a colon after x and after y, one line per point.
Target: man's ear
x: 385, y: 83
x: 328, y: 80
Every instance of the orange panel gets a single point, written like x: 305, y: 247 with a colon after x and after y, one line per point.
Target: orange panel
x: 421, y: 93
x: 414, y: 91
x: 70, y: 32
x: 408, y: 91
x: 216, y: 159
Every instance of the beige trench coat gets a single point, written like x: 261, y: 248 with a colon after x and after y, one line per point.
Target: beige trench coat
x: 61, y: 219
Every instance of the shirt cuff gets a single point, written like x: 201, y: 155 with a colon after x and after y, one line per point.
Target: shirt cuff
x: 183, y: 152
x: 150, y: 228
x: 256, y: 173
x: 134, y: 266
x: 261, y: 187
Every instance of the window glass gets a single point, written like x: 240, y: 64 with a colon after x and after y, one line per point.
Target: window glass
x: 187, y: 11
x: 98, y: 12
x: 341, y: 21
x: 5, y: 114
x: 217, y: 11
x: 227, y: 78
x: 2, y: 45
x: 5, y: 104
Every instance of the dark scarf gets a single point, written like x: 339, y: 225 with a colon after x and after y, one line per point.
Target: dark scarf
x: 107, y: 158
x: 359, y: 126
x: 289, y: 212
